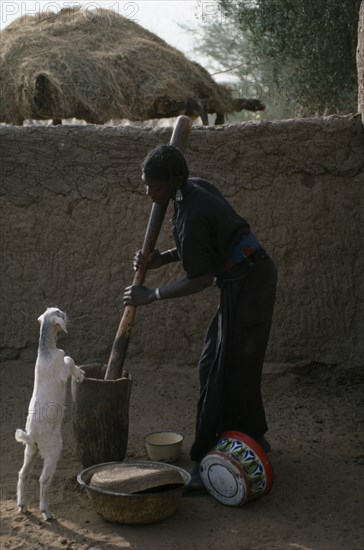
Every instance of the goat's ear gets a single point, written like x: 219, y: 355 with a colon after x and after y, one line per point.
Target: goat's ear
x: 41, y: 317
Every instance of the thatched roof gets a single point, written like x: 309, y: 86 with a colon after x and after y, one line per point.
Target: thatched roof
x: 98, y: 65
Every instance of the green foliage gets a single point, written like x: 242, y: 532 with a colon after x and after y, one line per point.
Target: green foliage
x: 302, y: 51
x: 230, y: 57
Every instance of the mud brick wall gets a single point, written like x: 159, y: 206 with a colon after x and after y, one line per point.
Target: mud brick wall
x: 73, y: 212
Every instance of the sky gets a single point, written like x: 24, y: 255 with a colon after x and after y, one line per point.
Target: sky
x: 159, y: 16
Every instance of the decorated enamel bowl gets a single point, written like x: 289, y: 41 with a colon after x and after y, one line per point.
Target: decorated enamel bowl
x: 236, y: 470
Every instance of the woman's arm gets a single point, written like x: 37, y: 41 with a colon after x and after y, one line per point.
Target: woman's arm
x: 185, y: 287
x: 169, y: 256
x: 156, y: 259
x: 141, y: 295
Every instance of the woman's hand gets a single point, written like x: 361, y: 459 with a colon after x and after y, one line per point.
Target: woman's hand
x: 138, y: 296
x: 154, y: 260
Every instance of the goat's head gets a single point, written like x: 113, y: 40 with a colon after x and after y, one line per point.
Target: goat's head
x: 56, y: 317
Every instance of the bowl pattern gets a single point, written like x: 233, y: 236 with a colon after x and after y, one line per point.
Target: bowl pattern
x: 236, y: 470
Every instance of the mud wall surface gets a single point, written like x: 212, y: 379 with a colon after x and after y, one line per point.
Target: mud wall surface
x: 73, y: 212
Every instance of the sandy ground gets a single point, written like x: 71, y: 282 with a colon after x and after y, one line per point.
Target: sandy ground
x: 316, y: 502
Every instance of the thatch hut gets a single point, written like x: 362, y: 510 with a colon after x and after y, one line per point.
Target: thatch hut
x: 97, y: 66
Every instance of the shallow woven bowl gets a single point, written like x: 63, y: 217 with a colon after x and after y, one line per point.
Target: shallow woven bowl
x: 164, y: 446
x: 149, y: 507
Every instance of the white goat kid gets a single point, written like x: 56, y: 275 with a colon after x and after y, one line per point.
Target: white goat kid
x: 46, y: 408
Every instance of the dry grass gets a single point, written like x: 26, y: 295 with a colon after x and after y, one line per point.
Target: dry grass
x: 97, y: 65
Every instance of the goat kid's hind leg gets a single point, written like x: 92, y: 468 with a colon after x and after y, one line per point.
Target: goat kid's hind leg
x: 30, y: 454
x: 46, y: 477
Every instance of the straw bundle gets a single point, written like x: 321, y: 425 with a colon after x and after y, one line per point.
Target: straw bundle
x: 98, y: 65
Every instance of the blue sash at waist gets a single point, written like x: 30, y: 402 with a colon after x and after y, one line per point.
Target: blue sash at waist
x: 243, y: 250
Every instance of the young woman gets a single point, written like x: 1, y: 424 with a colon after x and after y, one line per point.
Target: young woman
x: 215, y: 246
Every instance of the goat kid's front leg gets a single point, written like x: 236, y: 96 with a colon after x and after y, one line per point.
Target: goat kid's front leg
x: 30, y: 454
x: 76, y: 373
